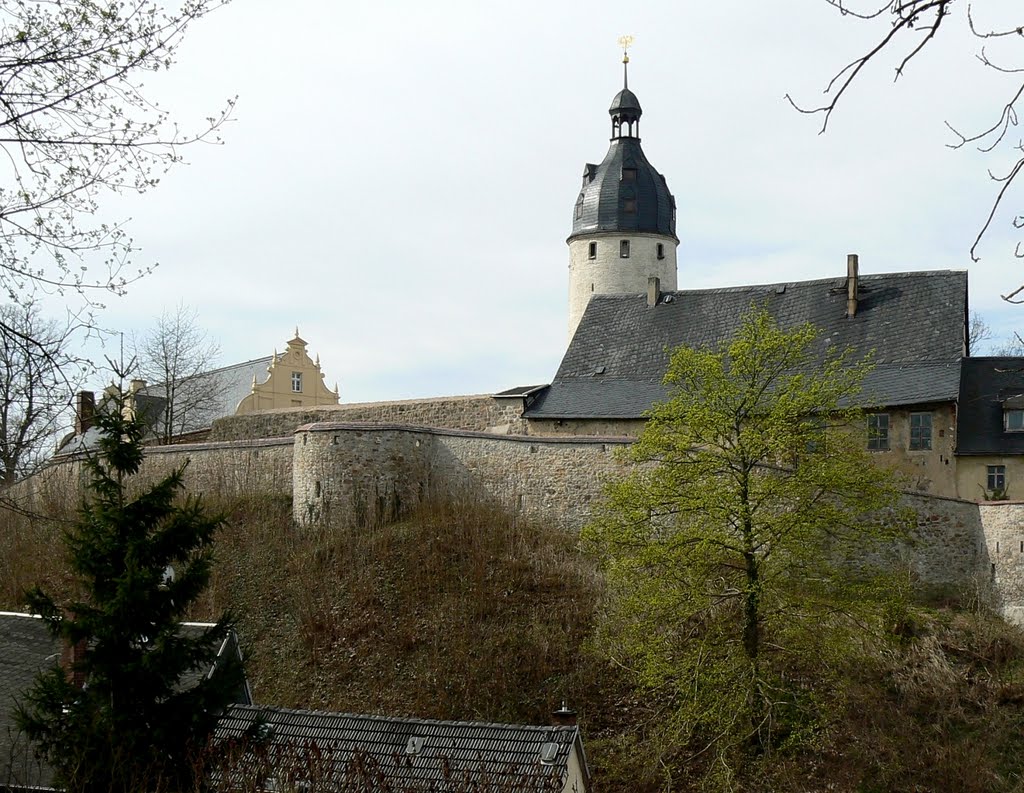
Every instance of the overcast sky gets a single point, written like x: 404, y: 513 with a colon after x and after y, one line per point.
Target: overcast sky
x: 398, y: 178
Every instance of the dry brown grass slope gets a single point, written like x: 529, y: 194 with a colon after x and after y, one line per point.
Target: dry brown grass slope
x: 460, y: 611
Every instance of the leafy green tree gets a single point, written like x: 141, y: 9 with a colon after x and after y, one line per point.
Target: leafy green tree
x: 730, y: 549
x: 137, y: 705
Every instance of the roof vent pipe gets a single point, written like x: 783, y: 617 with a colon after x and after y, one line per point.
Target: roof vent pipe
x: 851, y: 285
x: 653, y: 290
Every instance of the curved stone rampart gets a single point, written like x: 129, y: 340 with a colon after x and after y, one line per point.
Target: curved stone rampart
x: 346, y: 470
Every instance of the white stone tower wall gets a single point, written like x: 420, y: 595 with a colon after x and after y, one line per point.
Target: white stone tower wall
x: 609, y: 273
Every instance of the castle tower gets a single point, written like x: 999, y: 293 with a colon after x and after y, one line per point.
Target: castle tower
x: 624, y: 223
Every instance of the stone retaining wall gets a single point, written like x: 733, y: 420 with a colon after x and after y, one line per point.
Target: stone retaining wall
x: 357, y: 472
x: 1002, y: 562
x: 229, y: 468
x: 364, y: 472
x: 481, y: 413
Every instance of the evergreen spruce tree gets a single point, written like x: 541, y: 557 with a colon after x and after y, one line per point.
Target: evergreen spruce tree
x: 137, y: 707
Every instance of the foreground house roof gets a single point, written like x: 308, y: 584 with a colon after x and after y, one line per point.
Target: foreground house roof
x: 27, y: 648
x: 419, y: 754
x: 913, y: 323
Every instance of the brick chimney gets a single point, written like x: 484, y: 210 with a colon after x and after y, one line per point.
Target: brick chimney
x: 653, y: 290
x: 85, y: 411
x: 851, y: 285
x: 564, y: 716
x: 71, y: 656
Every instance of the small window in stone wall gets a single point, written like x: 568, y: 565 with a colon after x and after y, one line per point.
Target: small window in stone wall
x: 920, y: 431
x: 661, y: 250
x: 624, y: 249
x: 592, y: 250
x: 297, y: 382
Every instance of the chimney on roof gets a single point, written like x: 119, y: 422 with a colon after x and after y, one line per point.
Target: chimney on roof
x: 851, y: 285
x: 653, y: 290
x: 71, y: 657
x: 564, y: 716
x: 85, y: 411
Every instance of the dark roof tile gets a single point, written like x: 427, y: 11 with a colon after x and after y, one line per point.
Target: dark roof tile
x: 458, y: 749
x: 984, y: 384
x: 913, y: 323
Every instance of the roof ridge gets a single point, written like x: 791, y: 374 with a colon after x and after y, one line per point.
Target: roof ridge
x: 768, y: 286
x: 404, y: 719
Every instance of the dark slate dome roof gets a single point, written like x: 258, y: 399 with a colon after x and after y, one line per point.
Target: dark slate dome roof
x: 625, y: 101
x: 603, y: 203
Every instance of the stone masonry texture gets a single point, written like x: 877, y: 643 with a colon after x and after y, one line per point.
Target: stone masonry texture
x: 363, y: 472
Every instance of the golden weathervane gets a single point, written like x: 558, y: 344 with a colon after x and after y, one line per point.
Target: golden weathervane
x: 625, y: 42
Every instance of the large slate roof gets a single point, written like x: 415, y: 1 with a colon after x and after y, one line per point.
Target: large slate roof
x: 914, y: 323
x: 984, y: 385
x: 224, y: 389
x: 449, y: 751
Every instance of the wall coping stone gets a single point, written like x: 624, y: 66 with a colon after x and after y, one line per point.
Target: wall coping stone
x: 344, y: 407
x: 563, y: 440
x: 249, y: 443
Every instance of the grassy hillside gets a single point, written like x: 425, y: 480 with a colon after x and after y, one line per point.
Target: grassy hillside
x: 460, y: 611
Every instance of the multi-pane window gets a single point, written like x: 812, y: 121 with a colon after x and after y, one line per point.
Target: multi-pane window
x: 920, y: 431
x: 624, y: 249
x: 297, y: 382
x: 1013, y: 420
x: 996, y: 478
x: 878, y: 432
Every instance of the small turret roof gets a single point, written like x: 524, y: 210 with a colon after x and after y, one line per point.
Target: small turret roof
x: 625, y: 101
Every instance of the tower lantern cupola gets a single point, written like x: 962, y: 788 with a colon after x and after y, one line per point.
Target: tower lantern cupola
x: 624, y: 219
x: 625, y: 110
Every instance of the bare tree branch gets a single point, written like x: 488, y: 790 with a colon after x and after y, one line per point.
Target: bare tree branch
x: 926, y: 17
x: 75, y: 124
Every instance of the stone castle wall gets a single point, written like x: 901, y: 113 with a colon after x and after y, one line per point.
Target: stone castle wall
x: 364, y: 472
x: 227, y: 468
x: 358, y: 471
x: 481, y: 413
x: 1002, y: 562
